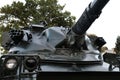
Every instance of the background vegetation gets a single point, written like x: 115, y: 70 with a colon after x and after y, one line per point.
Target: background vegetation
x: 20, y: 14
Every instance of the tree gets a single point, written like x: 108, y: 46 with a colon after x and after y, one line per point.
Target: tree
x: 117, y: 46
x: 19, y: 14
x: 92, y: 37
x: 104, y: 48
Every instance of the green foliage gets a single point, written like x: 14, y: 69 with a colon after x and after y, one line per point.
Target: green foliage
x: 12, y: 15
x: 22, y: 14
x: 117, y: 47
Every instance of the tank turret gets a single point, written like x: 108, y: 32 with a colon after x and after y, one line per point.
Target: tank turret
x: 39, y: 49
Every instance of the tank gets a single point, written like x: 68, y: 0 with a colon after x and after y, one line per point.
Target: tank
x: 38, y: 49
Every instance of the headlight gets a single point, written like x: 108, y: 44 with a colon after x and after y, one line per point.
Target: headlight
x: 11, y: 63
x: 30, y: 63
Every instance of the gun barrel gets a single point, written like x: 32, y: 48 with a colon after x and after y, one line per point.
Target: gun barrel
x: 90, y: 14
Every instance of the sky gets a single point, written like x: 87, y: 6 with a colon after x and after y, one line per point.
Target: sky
x: 106, y: 26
